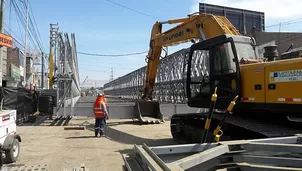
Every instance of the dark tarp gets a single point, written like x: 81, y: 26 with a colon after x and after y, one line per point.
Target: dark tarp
x: 20, y: 99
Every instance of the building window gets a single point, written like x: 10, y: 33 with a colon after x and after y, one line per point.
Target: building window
x: 21, y: 59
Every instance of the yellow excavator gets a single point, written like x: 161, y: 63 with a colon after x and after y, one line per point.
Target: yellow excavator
x: 202, y: 26
x: 269, y: 102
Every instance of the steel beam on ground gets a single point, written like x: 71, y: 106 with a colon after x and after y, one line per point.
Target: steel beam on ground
x: 202, y: 157
x: 226, y: 155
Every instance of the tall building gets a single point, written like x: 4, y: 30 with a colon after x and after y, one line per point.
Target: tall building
x: 12, y: 77
x: 244, y: 20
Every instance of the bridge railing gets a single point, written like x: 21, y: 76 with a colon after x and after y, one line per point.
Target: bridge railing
x: 170, y: 81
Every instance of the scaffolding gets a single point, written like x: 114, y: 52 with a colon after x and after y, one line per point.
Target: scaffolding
x: 66, y: 75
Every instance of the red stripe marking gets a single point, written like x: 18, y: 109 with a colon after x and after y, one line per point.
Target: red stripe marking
x: 289, y: 99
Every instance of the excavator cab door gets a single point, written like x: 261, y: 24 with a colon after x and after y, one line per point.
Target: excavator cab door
x: 213, y: 63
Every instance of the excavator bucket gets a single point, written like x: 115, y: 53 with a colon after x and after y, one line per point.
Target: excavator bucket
x: 148, y: 112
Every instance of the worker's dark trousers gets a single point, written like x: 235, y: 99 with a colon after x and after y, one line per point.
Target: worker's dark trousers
x: 99, y: 126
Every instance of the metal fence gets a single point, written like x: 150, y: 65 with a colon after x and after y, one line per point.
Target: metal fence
x: 20, y: 99
x: 170, y: 81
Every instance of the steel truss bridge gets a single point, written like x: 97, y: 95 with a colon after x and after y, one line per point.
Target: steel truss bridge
x: 170, y: 81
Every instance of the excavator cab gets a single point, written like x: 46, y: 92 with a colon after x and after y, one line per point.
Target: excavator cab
x: 214, y: 63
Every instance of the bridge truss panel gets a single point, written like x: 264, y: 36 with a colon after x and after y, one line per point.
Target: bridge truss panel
x: 170, y: 82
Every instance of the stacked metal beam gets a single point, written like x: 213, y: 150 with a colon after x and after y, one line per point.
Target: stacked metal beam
x: 68, y: 81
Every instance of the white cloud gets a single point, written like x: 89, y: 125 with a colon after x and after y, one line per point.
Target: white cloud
x: 274, y: 9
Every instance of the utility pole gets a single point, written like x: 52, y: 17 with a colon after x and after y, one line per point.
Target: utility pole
x: 111, y: 76
x: 26, y: 35
x: 42, y: 71
x: 2, y: 12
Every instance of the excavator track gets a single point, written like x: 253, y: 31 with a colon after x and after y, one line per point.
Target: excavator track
x: 188, y: 128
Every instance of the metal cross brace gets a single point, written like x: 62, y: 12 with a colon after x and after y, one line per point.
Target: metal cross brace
x: 283, y: 153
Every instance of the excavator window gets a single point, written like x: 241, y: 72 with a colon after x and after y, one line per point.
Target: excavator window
x: 223, y: 60
x: 220, y: 59
x: 245, y: 50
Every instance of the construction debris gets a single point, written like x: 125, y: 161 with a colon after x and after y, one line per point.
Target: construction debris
x: 26, y: 168
x: 74, y: 128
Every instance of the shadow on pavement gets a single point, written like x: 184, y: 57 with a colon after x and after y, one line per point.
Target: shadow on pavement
x: 81, y: 137
x: 123, y: 123
x: 126, y: 138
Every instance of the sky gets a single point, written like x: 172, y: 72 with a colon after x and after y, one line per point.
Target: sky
x: 103, y: 27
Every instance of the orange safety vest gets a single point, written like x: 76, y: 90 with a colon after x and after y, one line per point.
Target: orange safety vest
x: 98, y: 111
x: 105, y: 100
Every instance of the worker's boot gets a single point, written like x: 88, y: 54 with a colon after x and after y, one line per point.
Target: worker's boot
x: 102, y: 133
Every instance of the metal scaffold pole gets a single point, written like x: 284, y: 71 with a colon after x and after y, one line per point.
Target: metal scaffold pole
x: 2, y: 31
x: 26, y: 41
x: 67, y: 76
x: 42, y: 71
x: 52, y: 43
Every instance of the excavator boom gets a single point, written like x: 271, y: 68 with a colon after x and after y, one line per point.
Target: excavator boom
x: 201, y: 26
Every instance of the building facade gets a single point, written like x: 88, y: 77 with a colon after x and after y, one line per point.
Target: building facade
x: 282, y: 39
x: 13, y: 78
x: 13, y: 69
x: 252, y: 23
x: 244, y: 20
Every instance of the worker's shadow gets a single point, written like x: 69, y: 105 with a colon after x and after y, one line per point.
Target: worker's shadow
x: 126, y: 138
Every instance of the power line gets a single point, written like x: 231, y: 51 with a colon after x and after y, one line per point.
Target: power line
x: 33, y: 37
x: 33, y: 29
x: 15, y: 40
x: 286, y: 22
x: 107, y: 66
x: 93, y: 70
x: 11, y: 32
x: 35, y: 26
x: 21, y: 19
x: 111, y: 63
x: 129, y: 54
x: 132, y: 9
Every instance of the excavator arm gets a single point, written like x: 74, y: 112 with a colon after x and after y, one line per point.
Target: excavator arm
x: 201, y: 26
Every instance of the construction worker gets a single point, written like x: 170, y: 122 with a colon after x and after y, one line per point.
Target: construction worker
x: 100, y: 113
x: 105, y: 100
x: 107, y: 116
